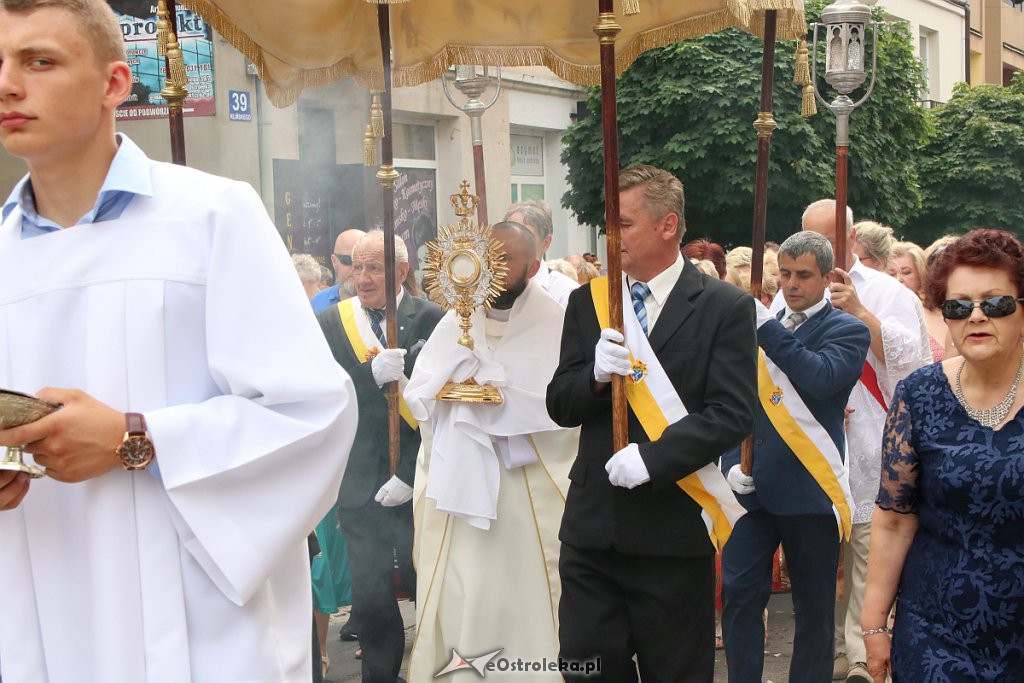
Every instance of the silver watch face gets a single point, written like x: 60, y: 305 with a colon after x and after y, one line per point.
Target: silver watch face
x: 136, y: 452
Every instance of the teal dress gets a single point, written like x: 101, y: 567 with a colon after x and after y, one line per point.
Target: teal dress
x: 332, y: 581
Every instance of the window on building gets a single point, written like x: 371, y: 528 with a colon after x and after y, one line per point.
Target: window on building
x: 526, y: 156
x: 414, y: 141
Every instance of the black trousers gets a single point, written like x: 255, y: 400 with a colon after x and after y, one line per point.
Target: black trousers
x: 660, y: 609
x: 376, y: 535
x: 811, y: 544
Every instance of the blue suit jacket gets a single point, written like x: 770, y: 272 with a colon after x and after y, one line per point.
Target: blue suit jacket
x: 823, y: 359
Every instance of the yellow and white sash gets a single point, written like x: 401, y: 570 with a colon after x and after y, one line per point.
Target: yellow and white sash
x: 656, y: 404
x: 366, y: 345
x: 805, y: 436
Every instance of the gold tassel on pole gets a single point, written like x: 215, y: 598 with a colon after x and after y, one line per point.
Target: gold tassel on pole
x: 175, y: 61
x: 630, y: 7
x: 377, y: 116
x: 369, y: 148
x: 162, y: 27
x: 802, y: 77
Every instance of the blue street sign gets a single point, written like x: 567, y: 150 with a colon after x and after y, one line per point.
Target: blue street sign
x: 239, y: 105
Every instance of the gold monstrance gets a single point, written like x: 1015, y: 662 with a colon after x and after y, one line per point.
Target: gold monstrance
x: 18, y: 409
x: 465, y: 270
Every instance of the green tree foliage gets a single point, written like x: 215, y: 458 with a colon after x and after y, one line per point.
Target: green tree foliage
x: 689, y: 108
x: 972, y: 168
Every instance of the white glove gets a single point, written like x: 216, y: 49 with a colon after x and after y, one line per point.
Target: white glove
x: 627, y: 469
x: 388, y: 366
x: 609, y: 357
x: 394, y: 492
x: 763, y: 315
x: 740, y: 483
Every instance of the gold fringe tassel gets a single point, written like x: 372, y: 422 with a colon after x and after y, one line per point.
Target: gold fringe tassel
x: 386, y: 2
x: 369, y: 148
x: 802, y: 77
x: 175, y: 62
x: 377, y: 117
x: 808, y: 107
x: 163, y: 25
x: 802, y: 72
x: 630, y: 7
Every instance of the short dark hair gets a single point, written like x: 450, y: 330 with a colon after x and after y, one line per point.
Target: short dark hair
x: 981, y: 248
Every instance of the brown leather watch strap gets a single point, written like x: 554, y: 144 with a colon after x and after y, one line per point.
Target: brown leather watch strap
x: 136, y: 424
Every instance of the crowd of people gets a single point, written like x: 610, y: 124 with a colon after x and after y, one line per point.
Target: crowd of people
x: 215, y: 421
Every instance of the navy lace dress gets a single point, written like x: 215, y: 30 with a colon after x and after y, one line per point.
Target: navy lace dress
x: 960, y: 615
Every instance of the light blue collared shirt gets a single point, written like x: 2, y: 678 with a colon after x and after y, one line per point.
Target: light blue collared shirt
x: 130, y: 174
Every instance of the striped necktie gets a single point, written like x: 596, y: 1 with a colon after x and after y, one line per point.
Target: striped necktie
x: 794, y: 319
x: 639, y: 292
x: 376, y: 315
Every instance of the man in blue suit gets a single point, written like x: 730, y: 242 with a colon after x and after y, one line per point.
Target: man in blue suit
x: 794, y: 497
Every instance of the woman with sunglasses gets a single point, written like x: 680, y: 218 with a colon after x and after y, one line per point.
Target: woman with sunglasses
x: 947, y: 535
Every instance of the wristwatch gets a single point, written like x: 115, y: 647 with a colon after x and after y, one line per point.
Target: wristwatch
x: 136, y: 450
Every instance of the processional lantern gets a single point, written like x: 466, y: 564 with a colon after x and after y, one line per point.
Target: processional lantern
x: 845, y: 24
x: 472, y: 85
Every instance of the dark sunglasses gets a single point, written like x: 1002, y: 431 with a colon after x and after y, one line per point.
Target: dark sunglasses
x: 344, y: 259
x: 993, y: 307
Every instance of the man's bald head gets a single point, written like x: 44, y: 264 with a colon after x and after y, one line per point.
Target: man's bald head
x: 521, y: 257
x: 341, y: 259
x: 820, y: 217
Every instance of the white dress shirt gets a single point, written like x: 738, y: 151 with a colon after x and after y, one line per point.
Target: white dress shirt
x: 661, y: 286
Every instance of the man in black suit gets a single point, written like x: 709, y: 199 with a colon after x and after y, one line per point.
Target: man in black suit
x: 637, y: 564
x: 374, y: 506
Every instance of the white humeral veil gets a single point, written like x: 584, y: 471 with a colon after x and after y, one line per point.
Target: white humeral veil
x: 188, y: 310
x: 484, y: 587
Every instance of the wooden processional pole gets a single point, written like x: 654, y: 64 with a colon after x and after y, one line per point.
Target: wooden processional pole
x: 175, y: 78
x: 607, y: 29
x: 765, y: 126
x: 387, y: 176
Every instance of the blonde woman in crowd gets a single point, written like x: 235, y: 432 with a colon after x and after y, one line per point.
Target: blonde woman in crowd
x: 737, y: 263
x: 908, y: 261
x: 562, y: 266
x: 705, y: 266
x: 585, y: 272
x: 873, y: 244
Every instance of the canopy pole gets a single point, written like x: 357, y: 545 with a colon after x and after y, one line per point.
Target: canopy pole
x: 173, y: 93
x: 387, y: 176
x: 607, y: 29
x: 765, y: 126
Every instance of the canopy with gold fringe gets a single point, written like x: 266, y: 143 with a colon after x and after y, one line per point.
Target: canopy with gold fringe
x: 297, y: 44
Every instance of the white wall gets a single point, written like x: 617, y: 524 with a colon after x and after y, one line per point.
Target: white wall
x: 943, y: 23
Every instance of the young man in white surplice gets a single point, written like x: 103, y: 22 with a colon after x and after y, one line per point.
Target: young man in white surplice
x: 183, y: 558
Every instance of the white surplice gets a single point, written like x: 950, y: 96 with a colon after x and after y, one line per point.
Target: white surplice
x: 186, y: 309
x: 480, y: 589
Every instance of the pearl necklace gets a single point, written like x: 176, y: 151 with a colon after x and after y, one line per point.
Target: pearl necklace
x: 990, y: 417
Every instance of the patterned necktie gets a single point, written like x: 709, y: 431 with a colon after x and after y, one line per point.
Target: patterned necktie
x: 794, y: 319
x: 376, y: 315
x: 639, y: 291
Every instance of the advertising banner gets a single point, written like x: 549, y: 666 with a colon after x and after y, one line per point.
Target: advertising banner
x: 138, y: 26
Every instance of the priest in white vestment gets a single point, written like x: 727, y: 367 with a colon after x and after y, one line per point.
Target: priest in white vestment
x: 490, y: 487
x: 162, y: 302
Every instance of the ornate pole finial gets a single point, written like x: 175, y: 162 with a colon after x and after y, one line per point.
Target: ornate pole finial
x: 464, y: 202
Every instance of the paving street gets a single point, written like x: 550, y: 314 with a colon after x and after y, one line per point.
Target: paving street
x: 345, y: 667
